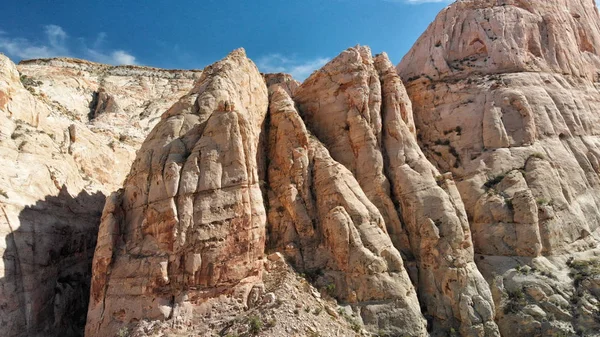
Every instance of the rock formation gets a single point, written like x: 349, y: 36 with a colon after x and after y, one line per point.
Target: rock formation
x: 323, y: 221
x: 57, y: 170
x: 124, y: 102
x: 505, y: 97
x: 251, y: 199
x: 190, y: 221
x: 358, y: 107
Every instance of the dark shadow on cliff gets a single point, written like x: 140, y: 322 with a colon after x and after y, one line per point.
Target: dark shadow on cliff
x: 47, y: 265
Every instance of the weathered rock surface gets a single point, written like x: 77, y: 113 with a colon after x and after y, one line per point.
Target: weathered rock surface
x: 479, y: 212
x: 55, y: 175
x: 323, y: 221
x: 49, y: 213
x: 121, y: 101
x: 189, y: 224
x: 517, y: 92
x: 505, y: 97
x: 286, y: 81
x: 358, y: 107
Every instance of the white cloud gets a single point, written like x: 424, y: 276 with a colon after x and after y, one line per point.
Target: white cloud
x: 122, y: 57
x: 117, y: 57
x: 56, y: 43
x: 300, y: 70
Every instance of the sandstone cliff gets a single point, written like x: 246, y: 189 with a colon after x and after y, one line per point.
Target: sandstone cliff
x: 505, y: 97
x: 252, y: 203
x: 57, y: 169
x: 190, y: 222
x: 323, y: 221
x: 358, y: 107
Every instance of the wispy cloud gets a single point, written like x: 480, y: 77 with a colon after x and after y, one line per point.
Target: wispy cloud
x: 299, y: 69
x: 55, y: 42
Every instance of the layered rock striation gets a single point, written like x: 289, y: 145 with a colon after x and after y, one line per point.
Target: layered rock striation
x: 189, y: 223
x: 358, y: 107
x: 464, y: 203
x: 325, y: 224
x: 505, y: 96
x: 57, y: 169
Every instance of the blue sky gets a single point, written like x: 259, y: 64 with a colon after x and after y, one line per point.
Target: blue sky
x: 295, y: 36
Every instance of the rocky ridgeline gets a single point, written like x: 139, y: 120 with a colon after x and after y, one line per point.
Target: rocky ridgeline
x: 454, y: 194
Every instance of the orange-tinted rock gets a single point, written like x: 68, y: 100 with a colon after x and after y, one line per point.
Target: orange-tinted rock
x: 190, y: 222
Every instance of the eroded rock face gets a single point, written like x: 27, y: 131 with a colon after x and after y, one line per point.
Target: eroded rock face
x: 49, y: 213
x: 505, y: 97
x: 357, y: 106
x: 286, y: 81
x: 57, y: 170
x: 124, y: 102
x: 514, y: 91
x: 323, y: 221
x: 190, y: 222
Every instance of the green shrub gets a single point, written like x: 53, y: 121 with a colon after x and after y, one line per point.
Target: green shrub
x: 255, y: 324
x: 515, y: 302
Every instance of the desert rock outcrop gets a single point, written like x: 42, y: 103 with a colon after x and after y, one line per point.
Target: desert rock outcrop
x: 505, y: 97
x: 190, y: 221
x: 357, y: 106
x: 323, y: 221
x: 124, y: 102
x: 57, y: 170
x: 457, y: 193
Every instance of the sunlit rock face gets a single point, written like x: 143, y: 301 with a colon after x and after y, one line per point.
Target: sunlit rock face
x: 505, y: 97
x: 357, y: 106
x: 323, y: 221
x: 189, y: 223
x: 454, y: 194
x: 59, y: 163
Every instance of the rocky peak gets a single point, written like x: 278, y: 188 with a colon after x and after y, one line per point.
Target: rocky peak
x: 506, y: 36
x: 505, y: 98
x: 191, y: 205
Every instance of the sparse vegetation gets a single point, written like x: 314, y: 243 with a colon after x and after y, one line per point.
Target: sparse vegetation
x: 583, y: 269
x: 548, y: 274
x: 494, y: 181
x: 330, y: 289
x: 255, y: 324
x: 123, y: 332
x: 544, y: 202
x: 354, y: 324
x: 515, y: 302
x: 29, y: 82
